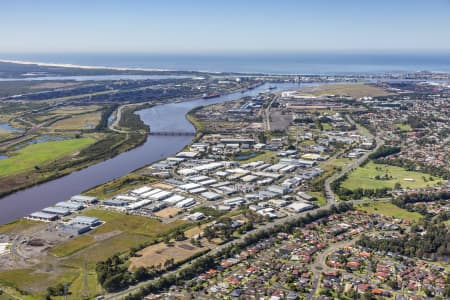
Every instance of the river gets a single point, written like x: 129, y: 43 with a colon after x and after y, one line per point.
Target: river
x: 166, y: 117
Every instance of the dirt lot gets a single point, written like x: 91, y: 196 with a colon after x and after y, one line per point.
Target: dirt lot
x: 159, y: 253
x: 84, y: 121
x: 163, y: 186
x: 167, y: 212
x: 279, y: 121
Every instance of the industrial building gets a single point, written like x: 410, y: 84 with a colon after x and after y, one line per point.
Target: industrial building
x: 84, y: 220
x: 42, y: 216
x: 72, y: 206
x: 60, y: 211
x: 84, y: 199
x: 299, y: 206
x: 115, y: 202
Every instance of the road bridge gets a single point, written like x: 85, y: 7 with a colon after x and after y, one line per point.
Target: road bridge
x: 172, y: 133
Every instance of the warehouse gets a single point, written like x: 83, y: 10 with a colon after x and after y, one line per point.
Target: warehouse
x: 299, y: 207
x: 249, y: 178
x: 75, y: 228
x: 197, y: 216
x: 174, y: 199
x: 208, y: 182
x: 226, y: 190
x: 268, y: 174
x: 72, y: 206
x: 277, y: 189
x: 161, y: 195
x: 187, y: 154
x: 208, y: 167
x: 186, y: 203
x: 84, y: 220
x: 288, y: 169
x: 84, y: 199
x: 197, y: 190
x: 199, y: 178
x: 187, y: 172
x: 306, y: 196
x: 155, y: 207
x: 210, y: 196
x: 115, y: 202
x: 42, y: 216
x: 139, y: 204
x: 238, y: 201
x: 60, y: 211
x: 189, y: 186
x: 150, y: 193
x: 140, y: 191
x: 126, y: 198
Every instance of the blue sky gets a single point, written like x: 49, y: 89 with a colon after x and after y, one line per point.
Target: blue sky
x: 197, y: 26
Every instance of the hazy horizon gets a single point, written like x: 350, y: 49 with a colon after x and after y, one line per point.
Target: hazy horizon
x: 211, y: 27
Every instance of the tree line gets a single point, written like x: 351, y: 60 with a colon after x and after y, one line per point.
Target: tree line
x: 384, y: 151
x: 431, y: 243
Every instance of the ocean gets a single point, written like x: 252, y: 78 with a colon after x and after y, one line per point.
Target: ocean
x: 292, y: 63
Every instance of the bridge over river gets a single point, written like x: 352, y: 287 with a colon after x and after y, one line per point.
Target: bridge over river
x: 172, y: 133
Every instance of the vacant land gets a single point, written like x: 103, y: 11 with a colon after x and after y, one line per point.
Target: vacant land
x: 131, y: 224
x: 267, y: 156
x: 19, y: 226
x: 321, y: 200
x: 34, y: 155
x: 159, y: 253
x: 74, y: 110
x: 365, y: 177
x: 389, y: 209
x: 78, y: 122
x: 352, y: 90
x: 118, y: 185
x: 72, y: 246
x: 168, y: 212
x: 336, y: 163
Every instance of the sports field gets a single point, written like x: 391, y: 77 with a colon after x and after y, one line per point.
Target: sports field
x: 365, y: 177
x: 389, y: 209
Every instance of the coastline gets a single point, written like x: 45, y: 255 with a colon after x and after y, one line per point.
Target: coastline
x: 75, y: 66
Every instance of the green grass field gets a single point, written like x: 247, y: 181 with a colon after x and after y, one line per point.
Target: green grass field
x: 403, y: 127
x: 130, y: 224
x: 321, y: 200
x: 199, y: 126
x: 38, y: 154
x: 21, y: 277
x: 364, y: 177
x: 72, y: 246
x: 389, y: 209
x: 119, y: 185
x: 267, y: 156
x: 18, y: 226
